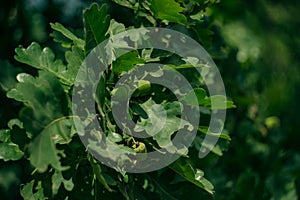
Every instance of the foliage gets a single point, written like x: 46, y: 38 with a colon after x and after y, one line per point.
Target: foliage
x: 263, y: 74
x: 254, y: 43
x: 44, y: 134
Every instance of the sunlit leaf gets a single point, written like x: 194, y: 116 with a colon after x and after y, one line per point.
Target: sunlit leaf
x: 127, y: 62
x: 162, y: 121
x: 10, y: 151
x: 44, y: 116
x: 115, y: 27
x: 43, y: 59
x: 223, y: 135
x: 58, y: 180
x: 114, y: 137
x: 168, y: 10
x: 217, y: 102
x: 195, y: 176
x: 189, y: 99
x: 127, y: 4
x: 28, y: 193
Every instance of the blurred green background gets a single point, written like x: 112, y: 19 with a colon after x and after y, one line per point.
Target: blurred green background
x: 261, y: 73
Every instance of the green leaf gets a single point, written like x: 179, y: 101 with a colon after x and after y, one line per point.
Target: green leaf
x: 14, y: 122
x: 43, y: 153
x: 120, y: 93
x: 14, y: 94
x: 127, y: 62
x: 127, y: 4
x: 45, y: 116
x: 44, y: 95
x: 99, y: 176
x: 146, y: 55
x: 195, y: 176
x: 168, y: 10
x: 45, y: 100
x: 147, y: 16
x: 75, y: 59
x: 10, y: 151
x: 5, y: 135
x: 43, y: 59
x: 58, y: 179
x: 42, y: 149
x: 207, y: 185
x: 115, y: 27
x: 23, y: 77
x: 114, y: 47
x: 114, y: 137
x: 189, y: 98
x: 216, y: 149
x: 96, y: 23
x: 100, y: 94
x: 60, y: 38
x: 27, y: 191
x: 68, y: 34
x: 144, y: 87
x: 204, y: 129
x: 162, y: 122
x: 217, y: 102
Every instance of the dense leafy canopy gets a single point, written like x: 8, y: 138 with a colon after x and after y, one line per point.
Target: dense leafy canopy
x: 42, y: 156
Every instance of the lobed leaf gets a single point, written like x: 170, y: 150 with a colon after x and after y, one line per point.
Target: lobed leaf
x: 44, y: 117
x: 115, y: 27
x: 67, y: 34
x: 127, y: 4
x: 10, y: 151
x: 58, y: 180
x: 27, y: 191
x: 43, y: 153
x: 168, y: 10
x: 127, y: 62
x: 43, y: 59
x: 162, y: 121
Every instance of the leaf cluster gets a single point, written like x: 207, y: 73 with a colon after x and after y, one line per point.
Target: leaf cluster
x: 45, y: 135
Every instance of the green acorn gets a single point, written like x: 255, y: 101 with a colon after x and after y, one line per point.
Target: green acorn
x: 139, y: 147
